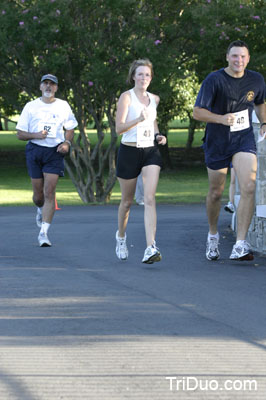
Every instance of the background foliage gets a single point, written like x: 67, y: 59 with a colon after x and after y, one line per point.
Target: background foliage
x: 89, y: 45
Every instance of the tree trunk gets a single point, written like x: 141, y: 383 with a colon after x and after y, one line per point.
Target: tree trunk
x: 88, y: 167
x: 191, y: 132
x: 164, y: 150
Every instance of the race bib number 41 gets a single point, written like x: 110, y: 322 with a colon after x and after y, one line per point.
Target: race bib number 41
x: 145, y: 135
x: 241, y: 121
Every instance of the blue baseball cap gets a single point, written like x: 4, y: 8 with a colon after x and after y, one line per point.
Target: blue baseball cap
x: 51, y: 77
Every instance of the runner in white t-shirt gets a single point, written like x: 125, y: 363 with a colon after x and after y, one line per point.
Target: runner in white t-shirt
x: 48, y: 124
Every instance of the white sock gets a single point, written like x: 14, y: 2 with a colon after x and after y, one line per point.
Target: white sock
x: 39, y: 210
x: 240, y: 242
x: 216, y: 236
x: 45, y: 227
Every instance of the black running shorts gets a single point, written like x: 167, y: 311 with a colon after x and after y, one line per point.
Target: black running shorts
x: 131, y: 160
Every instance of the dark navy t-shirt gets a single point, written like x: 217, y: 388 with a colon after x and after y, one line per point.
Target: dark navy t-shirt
x: 220, y: 93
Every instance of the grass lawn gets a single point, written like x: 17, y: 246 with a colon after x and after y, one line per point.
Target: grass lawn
x: 183, y: 185
x: 187, y: 185
x: 176, y: 138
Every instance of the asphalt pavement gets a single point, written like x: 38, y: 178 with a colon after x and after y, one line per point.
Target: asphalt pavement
x: 77, y: 323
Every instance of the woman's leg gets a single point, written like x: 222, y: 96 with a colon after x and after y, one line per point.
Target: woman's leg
x: 150, y: 175
x: 128, y: 187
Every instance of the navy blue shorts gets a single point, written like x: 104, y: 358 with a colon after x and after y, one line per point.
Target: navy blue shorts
x: 41, y: 159
x: 131, y: 160
x: 220, y: 157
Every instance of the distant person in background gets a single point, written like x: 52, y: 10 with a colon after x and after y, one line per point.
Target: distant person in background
x: 48, y: 124
x: 230, y: 206
x: 138, y: 154
x: 226, y: 101
x: 139, y: 193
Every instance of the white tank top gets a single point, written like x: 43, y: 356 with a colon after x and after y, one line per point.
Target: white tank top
x: 134, y: 111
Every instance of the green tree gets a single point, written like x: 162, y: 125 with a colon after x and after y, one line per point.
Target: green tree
x: 187, y: 90
x: 219, y: 22
x: 90, y: 46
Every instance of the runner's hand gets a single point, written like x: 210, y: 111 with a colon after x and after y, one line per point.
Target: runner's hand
x: 228, y: 119
x: 144, y: 114
x: 161, y: 139
x: 41, y: 135
x: 63, y: 148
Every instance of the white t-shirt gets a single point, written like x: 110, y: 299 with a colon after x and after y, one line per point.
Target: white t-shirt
x: 53, y: 117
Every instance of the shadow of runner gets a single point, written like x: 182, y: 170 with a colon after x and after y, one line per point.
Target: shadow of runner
x: 12, y: 387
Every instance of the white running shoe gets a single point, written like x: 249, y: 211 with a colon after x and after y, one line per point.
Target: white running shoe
x: 212, y: 251
x: 43, y: 240
x: 229, y: 207
x: 151, y: 254
x: 242, y: 251
x: 121, y: 247
x: 39, y: 218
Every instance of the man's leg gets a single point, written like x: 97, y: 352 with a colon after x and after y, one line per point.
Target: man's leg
x: 49, y: 188
x: 217, y: 179
x: 38, y: 198
x: 38, y: 195
x: 245, y: 165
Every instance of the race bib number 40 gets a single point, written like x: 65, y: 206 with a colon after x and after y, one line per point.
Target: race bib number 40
x: 241, y: 121
x: 145, y: 135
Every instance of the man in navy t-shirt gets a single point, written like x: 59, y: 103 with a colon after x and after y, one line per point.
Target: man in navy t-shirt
x: 226, y: 101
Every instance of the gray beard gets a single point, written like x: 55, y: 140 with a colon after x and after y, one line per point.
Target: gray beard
x: 48, y: 94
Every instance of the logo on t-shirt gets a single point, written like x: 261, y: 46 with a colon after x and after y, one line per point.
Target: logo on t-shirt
x: 250, y: 95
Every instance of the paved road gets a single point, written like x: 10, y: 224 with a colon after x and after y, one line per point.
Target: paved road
x: 76, y: 323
